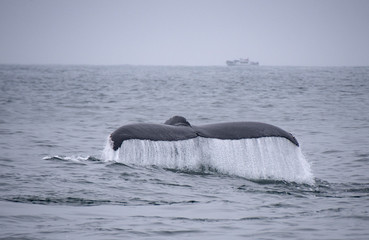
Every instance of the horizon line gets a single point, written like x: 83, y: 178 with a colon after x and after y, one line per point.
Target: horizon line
x: 172, y: 65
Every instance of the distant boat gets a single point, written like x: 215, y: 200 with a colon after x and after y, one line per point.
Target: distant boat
x: 241, y: 62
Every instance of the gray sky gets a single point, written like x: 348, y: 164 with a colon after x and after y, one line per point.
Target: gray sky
x: 187, y: 32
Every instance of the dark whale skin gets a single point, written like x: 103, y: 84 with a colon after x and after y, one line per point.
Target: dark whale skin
x: 178, y: 128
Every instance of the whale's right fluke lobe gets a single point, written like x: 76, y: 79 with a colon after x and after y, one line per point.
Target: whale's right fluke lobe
x: 242, y: 130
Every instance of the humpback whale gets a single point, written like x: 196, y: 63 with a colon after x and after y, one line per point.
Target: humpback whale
x: 178, y: 128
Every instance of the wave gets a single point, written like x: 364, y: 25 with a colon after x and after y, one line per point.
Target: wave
x: 270, y: 158
x: 73, y: 201
x: 72, y: 159
x: 83, y: 201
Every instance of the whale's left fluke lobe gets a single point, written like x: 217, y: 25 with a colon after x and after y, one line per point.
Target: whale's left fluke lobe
x: 178, y: 128
x: 154, y: 132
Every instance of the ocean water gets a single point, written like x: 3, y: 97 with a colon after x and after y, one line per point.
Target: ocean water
x: 60, y: 180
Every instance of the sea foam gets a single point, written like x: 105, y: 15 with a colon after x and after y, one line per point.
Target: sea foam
x: 271, y: 158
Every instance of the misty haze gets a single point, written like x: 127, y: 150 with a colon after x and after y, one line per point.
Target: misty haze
x: 184, y: 119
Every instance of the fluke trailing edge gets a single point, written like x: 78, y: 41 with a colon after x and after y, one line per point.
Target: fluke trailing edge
x: 178, y: 128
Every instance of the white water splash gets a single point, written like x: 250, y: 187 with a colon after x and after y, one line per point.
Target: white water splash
x: 261, y: 158
x: 73, y: 159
